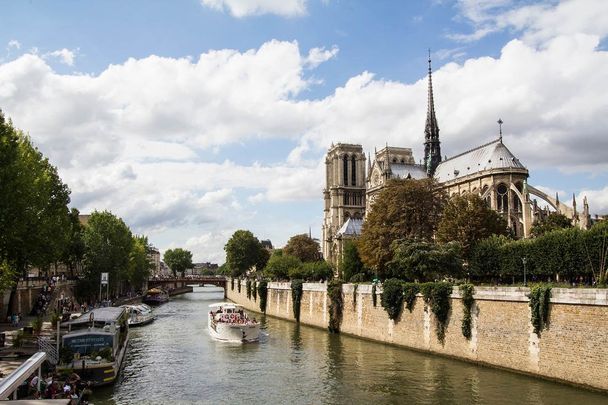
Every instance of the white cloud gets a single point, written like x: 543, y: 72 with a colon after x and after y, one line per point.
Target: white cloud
x: 13, y: 44
x: 64, y: 56
x: 597, y: 199
x: 316, y: 56
x: 538, y: 23
x: 245, y: 8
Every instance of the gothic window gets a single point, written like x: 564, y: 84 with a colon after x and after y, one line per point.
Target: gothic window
x: 516, y: 203
x: 346, y: 198
x: 502, y: 199
x: 345, y: 174
x: 354, y: 171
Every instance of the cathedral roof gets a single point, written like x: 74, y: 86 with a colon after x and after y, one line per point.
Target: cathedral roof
x: 351, y: 227
x: 403, y: 170
x: 492, y: 155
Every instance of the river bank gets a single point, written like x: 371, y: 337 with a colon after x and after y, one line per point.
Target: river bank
x: 570, y: 350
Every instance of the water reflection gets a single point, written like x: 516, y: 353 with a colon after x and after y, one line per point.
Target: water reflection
x: 174, y: 360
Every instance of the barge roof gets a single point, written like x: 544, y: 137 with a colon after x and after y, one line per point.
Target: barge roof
x: 104, y: 314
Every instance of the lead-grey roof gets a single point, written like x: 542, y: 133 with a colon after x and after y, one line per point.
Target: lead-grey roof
x: 351, y: 227
x: 493, y: 155
x: 402, y: 171
x: 104, y: 314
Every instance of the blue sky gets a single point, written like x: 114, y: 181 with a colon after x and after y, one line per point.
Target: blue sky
x: 191, y: 119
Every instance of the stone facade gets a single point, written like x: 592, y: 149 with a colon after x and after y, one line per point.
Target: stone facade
x: 571, y: 349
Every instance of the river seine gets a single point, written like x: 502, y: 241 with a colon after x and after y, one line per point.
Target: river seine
x: 174, y: 361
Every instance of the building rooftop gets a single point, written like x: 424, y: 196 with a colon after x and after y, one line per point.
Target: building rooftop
x: 351, y: 227
x: 104, y: 314
x: 403, y: 171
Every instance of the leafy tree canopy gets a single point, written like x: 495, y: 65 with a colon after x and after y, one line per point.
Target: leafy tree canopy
x: 244, y: 251
x: 551, y: 222
x: 282, y: 266
x: 179, y: 260
x: 303, y: 247
x: 351, y: 262
x: 467, y: 219
x: 425, y: 261
x: 140, y: 264
x: 404, y: 209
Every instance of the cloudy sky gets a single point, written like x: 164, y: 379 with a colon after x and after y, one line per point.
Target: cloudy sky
x: 193, y: 118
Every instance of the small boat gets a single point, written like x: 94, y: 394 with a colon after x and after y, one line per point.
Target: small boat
x: 155, y: 296
x: 228, y: 322
x: 139, y: 315
x: 95, y: 345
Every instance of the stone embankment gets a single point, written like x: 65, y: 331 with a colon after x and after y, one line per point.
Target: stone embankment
x: 573, y: 347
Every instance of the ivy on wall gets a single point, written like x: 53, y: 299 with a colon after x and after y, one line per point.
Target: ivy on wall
x: 467, y: 291
x: 410, y: 290
x: 248, y: 288
x: 263, y: 293
x: 238, y: 280
x: 391, y: 298
x: 232, y: 284
x: 355, y: 286
x: 374, y: 298
x: 540, y: 298
x: 296, y: 297
x: 437, y: 297
x: 254, y: 290
x: 336, y: 304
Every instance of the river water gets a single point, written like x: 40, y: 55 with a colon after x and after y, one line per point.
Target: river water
x: 174, y: 361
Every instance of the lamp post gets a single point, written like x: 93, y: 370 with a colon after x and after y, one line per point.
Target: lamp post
x: 524, y: 261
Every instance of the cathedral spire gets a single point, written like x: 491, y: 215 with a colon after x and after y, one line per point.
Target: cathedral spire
x: 432, y: 148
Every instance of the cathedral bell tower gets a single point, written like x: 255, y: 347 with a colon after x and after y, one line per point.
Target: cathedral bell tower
x: 344, y: 193
x: 432, y: 146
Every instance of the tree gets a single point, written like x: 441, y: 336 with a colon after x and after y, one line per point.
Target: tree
x: 73, y: 254
x: 404, y: 209
x: 244, y: 251
x: 303, y: 247
x: 139, y: 263
x: 551, y: 222
x: 425, y: 261
x: 318, y: 271
x: 351, y: 262
x: 281, y: 267
x: 108, y: 243
x: 467, y: 219
x: 178, y: 260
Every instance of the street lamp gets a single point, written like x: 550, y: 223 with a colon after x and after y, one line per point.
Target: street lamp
x: 524, y: 261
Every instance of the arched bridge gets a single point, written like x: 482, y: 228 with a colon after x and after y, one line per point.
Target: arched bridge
x: 180, y: 282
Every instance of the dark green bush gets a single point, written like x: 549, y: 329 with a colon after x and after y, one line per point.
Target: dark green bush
x: 410, y: 290
x: 540, y: 298
x: 392, y: 297
x: 437, y: 297
x: 248, y: 288
x: 296, y: 297
x: 263, y: 293
x: 374, y: 297
x: 336, y: 304
x: 467, y: 291
x: 254, y: 290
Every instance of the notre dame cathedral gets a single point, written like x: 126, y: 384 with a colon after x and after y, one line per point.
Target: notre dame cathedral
x: 489, y: 170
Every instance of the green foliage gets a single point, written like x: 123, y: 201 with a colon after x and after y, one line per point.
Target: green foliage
x: 140, y: 265
x: 360, y: 278
x: 391, y: 298
x: 254, y: 290
x: 238, y: 284
x: 351, y: 262
x: 66, y: 355
x: 467, y: 219
x: 303, y: 247
x: 232, y: 283
x: 7, y: 276
x: 374, y: 297
x: 244, y: 251
x: 279, y: 267
x: 540, y: 298
x: 437, y: 297
x: 467, y: 291
x: 106, y: 353
x: 108, y: 245
x: 73, y: 255
x: 37, y: 324
x: 410, y: 290
x: 336, y: 305
x: 317, y: 271
x: 296, y: 297
x: 263, y: 293
x: 552, y: 222
x: 424, y: 261
x: 34, y: 215
x: 355, y: 287
x: 404, y: 209
x: 248, y: 288
x: 178, y: 260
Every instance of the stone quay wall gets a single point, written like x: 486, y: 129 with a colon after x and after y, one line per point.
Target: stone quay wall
x: 573, y: 348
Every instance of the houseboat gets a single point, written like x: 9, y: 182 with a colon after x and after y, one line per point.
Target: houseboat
x: 229, y: 323
x: 139, y: 315
x: 94, y: 345
x: 155, y: 296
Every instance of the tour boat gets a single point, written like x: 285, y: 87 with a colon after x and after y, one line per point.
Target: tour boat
x: 95, y: 345
x: 155, y: 296
x: 228, y: 322
x: 139, y: 315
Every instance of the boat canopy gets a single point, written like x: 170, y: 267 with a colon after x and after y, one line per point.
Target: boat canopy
x: 104, y: 314
x: 225, y: 305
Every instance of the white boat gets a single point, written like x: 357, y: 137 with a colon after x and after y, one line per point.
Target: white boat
x: 139, y: 315
x: 230, y: 323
